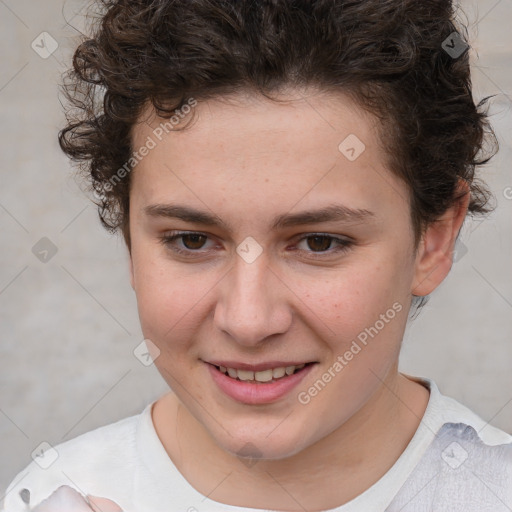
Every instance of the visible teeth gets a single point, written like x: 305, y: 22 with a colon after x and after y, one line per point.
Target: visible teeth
x: 261, y: 376
x: 264, y: 376
x: 245, y: 375
x: 277, y: 373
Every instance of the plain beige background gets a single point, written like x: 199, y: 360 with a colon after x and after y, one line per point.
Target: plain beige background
x: 69, y: 325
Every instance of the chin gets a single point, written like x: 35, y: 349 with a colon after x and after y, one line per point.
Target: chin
x: 252, y: 446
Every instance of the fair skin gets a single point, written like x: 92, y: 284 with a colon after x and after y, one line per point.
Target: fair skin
x: 247, y: 162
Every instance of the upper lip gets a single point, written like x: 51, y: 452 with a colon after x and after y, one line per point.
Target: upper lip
x: 257, y: 367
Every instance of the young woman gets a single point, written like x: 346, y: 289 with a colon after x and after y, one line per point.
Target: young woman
x: 290, y: 179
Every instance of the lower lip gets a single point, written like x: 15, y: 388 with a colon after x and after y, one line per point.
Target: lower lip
x: 261, y: 393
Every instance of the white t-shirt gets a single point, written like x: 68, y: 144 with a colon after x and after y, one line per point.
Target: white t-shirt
x: 455, y: 462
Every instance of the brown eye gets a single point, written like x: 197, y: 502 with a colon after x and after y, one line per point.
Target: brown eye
x: 319, y: 243
x: 193, y: 241
x: 323, y: 245
x: 188, y: 244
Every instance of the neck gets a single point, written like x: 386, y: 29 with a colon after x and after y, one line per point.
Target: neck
x: 326, y: 475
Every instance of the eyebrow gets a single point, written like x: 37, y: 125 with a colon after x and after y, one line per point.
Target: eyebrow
x: 334, y: 212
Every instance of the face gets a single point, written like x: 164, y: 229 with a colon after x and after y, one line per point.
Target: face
x: 257, y: 244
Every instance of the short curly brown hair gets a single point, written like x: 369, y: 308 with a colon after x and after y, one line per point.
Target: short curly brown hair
x: 390, y: 56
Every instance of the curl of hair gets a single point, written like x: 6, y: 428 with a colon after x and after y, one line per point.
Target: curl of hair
x: 386, y: 54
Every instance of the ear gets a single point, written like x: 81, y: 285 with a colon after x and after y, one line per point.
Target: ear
x: 128, y: 246
x: 435, y: 252
x: 132, y: 277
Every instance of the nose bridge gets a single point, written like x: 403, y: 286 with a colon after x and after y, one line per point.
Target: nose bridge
x: 248, y: 308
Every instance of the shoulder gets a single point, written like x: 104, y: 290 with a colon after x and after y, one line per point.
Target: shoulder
x: 449, y: 411
x: 86, y: 462
x: 467, y: 465
x: 462, y: 433
x: 461, y: 471
x: 442, y: 410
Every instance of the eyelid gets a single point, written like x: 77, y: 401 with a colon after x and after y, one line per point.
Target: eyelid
x: 168, y: 238
x: 343, y: 243
x: 341, y: 238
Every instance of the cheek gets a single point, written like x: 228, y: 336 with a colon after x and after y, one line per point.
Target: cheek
x: 360, y: 316
x: 348, y: 300
x: 170, y: 298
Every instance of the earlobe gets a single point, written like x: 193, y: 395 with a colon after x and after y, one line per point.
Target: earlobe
x: 435, y: 253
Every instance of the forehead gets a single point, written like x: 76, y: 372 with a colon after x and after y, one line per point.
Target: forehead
x: 310, y: 148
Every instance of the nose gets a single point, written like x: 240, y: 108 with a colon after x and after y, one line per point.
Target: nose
x: 252, y: 303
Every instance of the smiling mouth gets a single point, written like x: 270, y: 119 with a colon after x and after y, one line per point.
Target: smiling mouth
x: 263, y: 376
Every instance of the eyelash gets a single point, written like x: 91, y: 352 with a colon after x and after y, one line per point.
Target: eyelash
x: 344, y: 245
